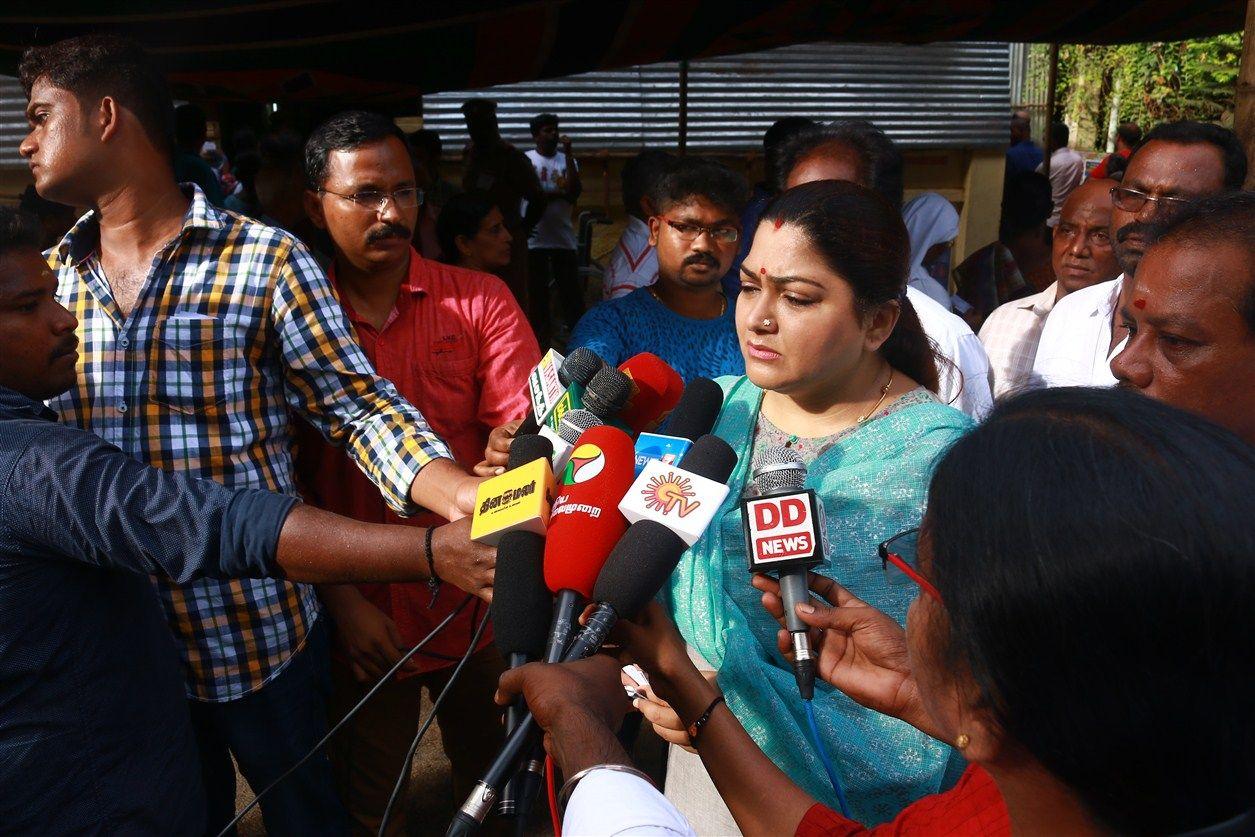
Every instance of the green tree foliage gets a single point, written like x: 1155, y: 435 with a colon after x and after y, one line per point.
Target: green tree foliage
x: 1146, y: 83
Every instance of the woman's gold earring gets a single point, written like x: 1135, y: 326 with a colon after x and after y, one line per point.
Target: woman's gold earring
x: 962, y: 741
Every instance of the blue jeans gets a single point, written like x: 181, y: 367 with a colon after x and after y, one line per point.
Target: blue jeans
x: 268, y: 731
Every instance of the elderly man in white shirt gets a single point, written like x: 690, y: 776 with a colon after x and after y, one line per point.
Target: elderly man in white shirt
x: 1178, y: 164
x: 1082, y: 256
x: 633, y: 263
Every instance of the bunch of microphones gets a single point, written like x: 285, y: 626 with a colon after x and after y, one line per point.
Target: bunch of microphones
x: 617, y: 477
x: 610, y: 479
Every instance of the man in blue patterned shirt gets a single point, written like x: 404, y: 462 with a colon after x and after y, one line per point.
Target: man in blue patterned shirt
x: 200, y: 331
x: 685, y: 318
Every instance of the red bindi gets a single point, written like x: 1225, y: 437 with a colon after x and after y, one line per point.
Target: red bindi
x: 762, y: 271
x: 779, y: 223
x: 1139, y: 303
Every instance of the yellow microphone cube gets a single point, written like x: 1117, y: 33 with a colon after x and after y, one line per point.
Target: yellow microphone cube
x: 516, y: 501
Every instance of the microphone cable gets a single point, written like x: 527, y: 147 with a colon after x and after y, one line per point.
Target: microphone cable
x: 444, y: 623
x: 829, y: 768
x: 431, y: 716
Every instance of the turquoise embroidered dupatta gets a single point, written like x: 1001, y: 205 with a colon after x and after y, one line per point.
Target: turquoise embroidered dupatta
x: 873, y: 485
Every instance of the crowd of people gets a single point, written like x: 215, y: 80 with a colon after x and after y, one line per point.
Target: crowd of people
x: 247, y: 404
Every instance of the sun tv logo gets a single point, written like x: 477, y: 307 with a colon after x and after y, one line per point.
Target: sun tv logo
x: 670, y: 493
x: 587, y: 461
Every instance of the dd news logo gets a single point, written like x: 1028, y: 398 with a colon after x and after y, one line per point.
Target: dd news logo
x: 781, y: 529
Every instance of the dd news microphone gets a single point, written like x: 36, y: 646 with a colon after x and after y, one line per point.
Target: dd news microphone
x: 638, y: 566
x: 520, y: 602
x: 553, y: 378
x: 656, y: 389
x: 786, y: 533
x: 519, y: 499
x: 694, y: 415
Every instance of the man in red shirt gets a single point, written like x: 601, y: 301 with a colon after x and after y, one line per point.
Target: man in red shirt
x: 1128, y: 135
x: 457, y: 344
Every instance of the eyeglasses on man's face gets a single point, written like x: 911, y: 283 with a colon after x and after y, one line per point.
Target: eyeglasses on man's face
x: 902, y: 551
x: 690, y: 232
x: 406, y: 197
x: 1131, y: 200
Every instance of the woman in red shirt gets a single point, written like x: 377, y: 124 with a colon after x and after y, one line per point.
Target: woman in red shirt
x: 1084, y: 635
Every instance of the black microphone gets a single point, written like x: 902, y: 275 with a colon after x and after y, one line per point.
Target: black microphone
x: 576, y: 370
x: 786, y: 533
x: 638, y: 566
x: 520, y: 601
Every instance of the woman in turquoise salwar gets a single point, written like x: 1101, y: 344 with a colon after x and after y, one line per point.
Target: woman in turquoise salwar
x: 838, y: 368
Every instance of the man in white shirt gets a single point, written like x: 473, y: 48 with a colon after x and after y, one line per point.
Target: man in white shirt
x: 1067, y: 169
x: 1081, y: 256
x: 634, y: 263
x: 859, y: 152
x: 551, y: 248
x: 1178, y: 164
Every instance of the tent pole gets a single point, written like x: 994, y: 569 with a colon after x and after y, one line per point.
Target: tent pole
x: 1244, y: 118
x: 1052, y: 81
x: 684, y: 105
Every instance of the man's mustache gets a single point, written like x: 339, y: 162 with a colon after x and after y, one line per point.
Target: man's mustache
x: 700, y: 258
x: 388, y: 230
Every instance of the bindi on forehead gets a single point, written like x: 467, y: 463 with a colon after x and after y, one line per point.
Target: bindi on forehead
x: 1139, y: 303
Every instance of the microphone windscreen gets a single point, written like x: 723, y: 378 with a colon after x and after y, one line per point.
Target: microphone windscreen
x: 779, y: 468
x: 697, y: 410
x: 656, y: 389
x: 579, y: 367
x: 574, y: 423
x: 521, y: 604
x: 607, y: 392
x: 710, y: 457
x: 585, y: 521
x: 640, y: 564
x: 527, y: 447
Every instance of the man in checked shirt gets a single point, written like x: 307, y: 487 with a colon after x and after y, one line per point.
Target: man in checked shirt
x: 200, y: 330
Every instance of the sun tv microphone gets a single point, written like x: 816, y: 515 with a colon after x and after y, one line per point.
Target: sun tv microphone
x: 786, y: 533
x: 656, y: 389
x: 570, y: 429
x: 645, y: 557
x: 585, y: 524
x: 634, y: 572
x: 694, y: 415
x: 551, y: 380
x: 520, y: 498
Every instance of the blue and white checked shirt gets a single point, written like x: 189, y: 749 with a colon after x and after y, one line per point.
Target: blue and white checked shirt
x: 234, y: 326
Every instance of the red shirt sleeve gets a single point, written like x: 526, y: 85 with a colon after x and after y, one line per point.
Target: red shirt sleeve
x: 972, y: 808
x: 507, y: 354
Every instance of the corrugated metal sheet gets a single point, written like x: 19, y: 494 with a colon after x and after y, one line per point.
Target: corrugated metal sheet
x: 13, y: 126
x: 930, y: 96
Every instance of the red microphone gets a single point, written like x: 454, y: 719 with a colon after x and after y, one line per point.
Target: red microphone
x: 656, y: 389
x: 585, y: 523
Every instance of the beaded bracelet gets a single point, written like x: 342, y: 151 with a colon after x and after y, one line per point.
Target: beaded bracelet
x: 696, y: 727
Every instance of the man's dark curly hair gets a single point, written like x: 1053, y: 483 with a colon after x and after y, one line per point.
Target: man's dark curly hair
x: 94, y: 66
